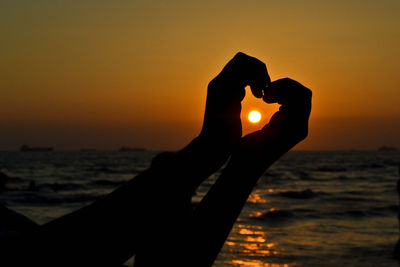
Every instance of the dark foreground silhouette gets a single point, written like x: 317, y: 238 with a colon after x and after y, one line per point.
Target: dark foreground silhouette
x: 155, y: 205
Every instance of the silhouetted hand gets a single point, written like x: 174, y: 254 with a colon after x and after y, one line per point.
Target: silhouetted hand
x: 225, y: 93
x: 286, y: 128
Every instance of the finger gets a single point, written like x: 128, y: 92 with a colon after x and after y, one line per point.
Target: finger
x: 246, y: 70
x: 259, y: 81
x: 257, y: 76
x: 272, y: 94
x: 286, y: 91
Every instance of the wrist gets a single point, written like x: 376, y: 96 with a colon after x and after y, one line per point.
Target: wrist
x: 193, y: 164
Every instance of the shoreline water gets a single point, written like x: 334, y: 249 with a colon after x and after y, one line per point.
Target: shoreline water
x: 310, y: 208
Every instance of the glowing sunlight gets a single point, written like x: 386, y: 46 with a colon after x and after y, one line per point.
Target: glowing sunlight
x: 254, y: 116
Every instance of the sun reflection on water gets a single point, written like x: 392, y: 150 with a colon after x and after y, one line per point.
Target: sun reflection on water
x: 249, y: 244
x: 256, y: 198
x: 257, y: 263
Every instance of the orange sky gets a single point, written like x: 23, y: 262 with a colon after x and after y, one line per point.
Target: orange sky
x: 110, y: 73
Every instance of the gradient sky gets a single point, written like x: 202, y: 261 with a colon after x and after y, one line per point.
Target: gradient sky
x: 102, y: 74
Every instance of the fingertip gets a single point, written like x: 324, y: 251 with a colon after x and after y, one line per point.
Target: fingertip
x: 240, y: 54
x: 269, y: 99
x: 270, y: 94
x: 268, y: 79
x: 257, y: 91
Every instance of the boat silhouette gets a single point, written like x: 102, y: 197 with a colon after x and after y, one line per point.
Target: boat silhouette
x: 25, y: 147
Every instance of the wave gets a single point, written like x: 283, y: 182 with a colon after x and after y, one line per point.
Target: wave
x: 305, y: 194
x: 361, y: 213
x: 78, y: 198
x: 105, y: 169
x: 392, y: 209
x: 272, y: 215
x: 282, y: 216
x: 347, y: 195
x: 31, y: 198
x: 56, y: 187
x: 391, y: 162
x: 352, y: 198
x: 356, y: 178
x: 104, y: 182
x: 370, y: 166
x: 331, y: 169
x: 342, y: 178
x: 50, y: 199
x: 272, y: 174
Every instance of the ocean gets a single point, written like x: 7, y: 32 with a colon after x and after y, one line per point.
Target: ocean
x: 311, y: 208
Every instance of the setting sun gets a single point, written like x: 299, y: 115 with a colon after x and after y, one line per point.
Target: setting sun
x: 254, y: 116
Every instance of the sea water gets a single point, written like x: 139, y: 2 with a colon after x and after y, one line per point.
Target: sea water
x: 311, y: 208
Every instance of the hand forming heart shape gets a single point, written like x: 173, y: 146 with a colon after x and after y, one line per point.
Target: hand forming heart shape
x: 225, y: 93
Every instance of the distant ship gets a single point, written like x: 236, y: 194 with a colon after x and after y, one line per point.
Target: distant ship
x: 126, y: 148
x: 387, y: 148
x: 25, y: 147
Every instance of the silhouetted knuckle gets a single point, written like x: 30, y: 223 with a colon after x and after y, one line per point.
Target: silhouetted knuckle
x: 240, y: 55
x: 263, y: 66
x: 212, y: 83
x: 309, y: 93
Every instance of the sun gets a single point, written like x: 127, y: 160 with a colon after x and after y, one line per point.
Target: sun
x: 254, y: 116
